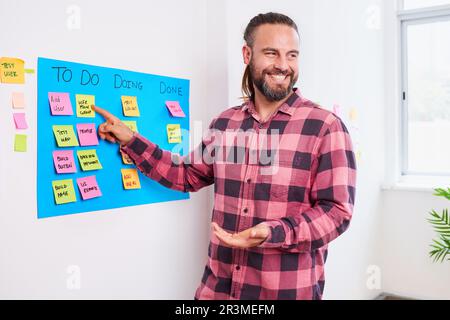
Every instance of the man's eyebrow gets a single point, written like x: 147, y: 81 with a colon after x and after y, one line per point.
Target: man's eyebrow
x: 276, y: 50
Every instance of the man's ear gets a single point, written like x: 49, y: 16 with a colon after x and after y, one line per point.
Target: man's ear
x: 246, y: 53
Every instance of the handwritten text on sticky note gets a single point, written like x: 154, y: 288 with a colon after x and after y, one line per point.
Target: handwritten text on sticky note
x: 175, y: 109
x: 64, y: 191
x: 130, y: 106
x: 12, y: 70
x: 87, y: 134
x: 60, y: 104
x: 84, y: 105
x: 65, y: 136
x: 174, y: 133
x: 130, y: 179
x: 89, y: 187
x: 89, y: 160
x: 64, y: 161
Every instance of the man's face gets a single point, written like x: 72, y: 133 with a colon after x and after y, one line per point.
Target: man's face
x: 273, y: 60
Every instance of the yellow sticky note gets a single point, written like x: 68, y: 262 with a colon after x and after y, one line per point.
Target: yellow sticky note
x: 174, y: 133
x: 89, y: 160
x: 64, y: 191
x: 125, y: 158
x: 130, y: 179
x: 84, y: 105
x: 12, y: 70
x: 130, y: 106
x: 65, y: 136
x: 20, y: 143
x: 353, y: 114
x: 132, y: 125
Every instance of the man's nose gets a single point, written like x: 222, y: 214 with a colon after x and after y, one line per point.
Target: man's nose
x: 281, y: 64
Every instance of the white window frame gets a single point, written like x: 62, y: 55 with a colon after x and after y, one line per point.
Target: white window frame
x: 396, y: 86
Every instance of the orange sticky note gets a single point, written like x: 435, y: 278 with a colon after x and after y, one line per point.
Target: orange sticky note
x: 12, y: 70
x: 18, y: 100
x: 130, y: 179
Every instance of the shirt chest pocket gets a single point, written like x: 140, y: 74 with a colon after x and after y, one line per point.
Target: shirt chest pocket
x: 282, y: 182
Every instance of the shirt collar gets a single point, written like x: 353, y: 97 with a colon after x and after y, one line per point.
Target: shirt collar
x: 287, y: 107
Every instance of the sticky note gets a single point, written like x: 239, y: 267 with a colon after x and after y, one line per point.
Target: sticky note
x: 18, y: 100
x: 64, y: 161
x: 130, y: 106
x: 174, y: 133
x: 87, y: 134
x: 64, y: 191
x: 175, y: 109
x: 65, y: 136
x: 20, y: 143
x: 12, y: 70
x: 60, y: 104
x: 89, y: 187
x: 89, y: 160
x: 84, y: 103
x: 20, y: 121
x: 130, y: 179
x: 132, y: 125
x: 353, y: 114
x: 125, y: 158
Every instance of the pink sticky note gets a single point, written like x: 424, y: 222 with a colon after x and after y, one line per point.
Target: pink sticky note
x: 60, y: 104
x: 18, y: 100
x: 64, y: 161
x: 337, y: 110
x: 87, y: 134
x: 88, y: 187
x: 175, y: 109
x: 20, y: 121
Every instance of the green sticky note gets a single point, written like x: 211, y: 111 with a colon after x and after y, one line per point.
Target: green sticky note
x: 132, y: 125
x: 20, y: 143
x: 65, y: 136
x: 84, y: 105
x: 64, y: 191
x: 89, y: 160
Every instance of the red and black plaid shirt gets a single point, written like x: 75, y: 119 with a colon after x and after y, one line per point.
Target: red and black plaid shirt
x: 296, y: 171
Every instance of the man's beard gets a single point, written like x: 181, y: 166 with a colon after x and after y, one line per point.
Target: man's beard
x: 273, y: 94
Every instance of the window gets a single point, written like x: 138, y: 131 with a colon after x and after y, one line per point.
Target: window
x: 425, y: 89
x: 415, y: 4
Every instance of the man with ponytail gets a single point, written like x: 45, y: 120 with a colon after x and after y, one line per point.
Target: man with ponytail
x: 274, y: 213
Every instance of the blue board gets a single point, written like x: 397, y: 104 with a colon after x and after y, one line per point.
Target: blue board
x: 107, y: 85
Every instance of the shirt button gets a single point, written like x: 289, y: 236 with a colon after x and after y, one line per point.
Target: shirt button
x: 260, y: 126
x: 249, y: 180
x: 238, y: 267
x: 245, y: 210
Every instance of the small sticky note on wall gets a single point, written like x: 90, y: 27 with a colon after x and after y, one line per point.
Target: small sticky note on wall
x: 12, y: 70
x: 20, y: 143
x: 60, y: 104
x: 174, y: 133
x: 18, y: 100
x: 132, y: 125
x: 65, y: 136
x: 89, y: 160
x: 84, y: 105
x: 130, y: 179
x: 130, y: 106
x: 64, y: 191
x: 20, y: 121
x: 64, y: 161
x: 87, y: 134
x: 175, y: 109
x: 89, y: 187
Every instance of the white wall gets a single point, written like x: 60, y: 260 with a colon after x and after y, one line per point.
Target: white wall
x: 341, y: 61
x: 154, y: 251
